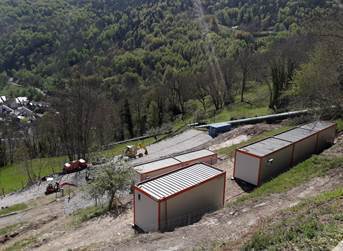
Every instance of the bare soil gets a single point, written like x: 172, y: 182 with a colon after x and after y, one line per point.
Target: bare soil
x: 52, y: 228
x: 231, y: 223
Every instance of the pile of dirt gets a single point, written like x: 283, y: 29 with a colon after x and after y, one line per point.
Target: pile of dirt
x: 239, y: 135
x: 234, y: 223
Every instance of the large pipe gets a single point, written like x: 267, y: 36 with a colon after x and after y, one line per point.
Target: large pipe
x: 253, y: 120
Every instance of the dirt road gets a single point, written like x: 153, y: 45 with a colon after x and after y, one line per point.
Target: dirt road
x: 188, y: 140
x: 232, y: 223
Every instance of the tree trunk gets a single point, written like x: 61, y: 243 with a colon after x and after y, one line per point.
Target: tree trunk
x: 243, y: 85
x: 110, y: 201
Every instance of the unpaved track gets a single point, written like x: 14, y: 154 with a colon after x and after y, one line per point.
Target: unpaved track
x: 230, y: 224
x: 188, y: 140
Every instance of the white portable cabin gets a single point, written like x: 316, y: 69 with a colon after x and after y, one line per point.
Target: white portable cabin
x: 262, y: 160
x: 326, y: 132
x: 155, y: 168
x: 304, y: 142
x: 178, y: 198
x: 202, y: 156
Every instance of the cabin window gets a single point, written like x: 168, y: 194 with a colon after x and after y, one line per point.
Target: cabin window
x: 139, y: 197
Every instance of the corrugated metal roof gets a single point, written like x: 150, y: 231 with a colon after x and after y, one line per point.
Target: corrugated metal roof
x: 155, y: 165
x: 318, y: 125
x: 172, y: 183
x: 194, y: 155
x: 295, y: 135
x: 265, y: 147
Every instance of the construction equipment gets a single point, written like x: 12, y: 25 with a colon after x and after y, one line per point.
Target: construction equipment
x: 57, y: 187
x: 135, y: 151
x: 75, y: 166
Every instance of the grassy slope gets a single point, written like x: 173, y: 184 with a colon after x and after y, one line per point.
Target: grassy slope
x: 315, y: 166
x: 9, y: 229
x: 256, y: 104
x: 229, y: 151
x: 13, y: 177
x: 315, y: 224
x: 14, y: 208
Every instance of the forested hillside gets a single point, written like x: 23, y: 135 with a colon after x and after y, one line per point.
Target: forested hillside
x: 116, y: 69
x: 129, y: 41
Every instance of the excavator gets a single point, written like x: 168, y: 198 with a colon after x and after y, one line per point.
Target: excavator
x: 135, y: 151
x: 57, y: 187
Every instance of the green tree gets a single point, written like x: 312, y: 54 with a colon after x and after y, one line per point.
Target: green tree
x: 109, y: 180
x: 153, y: 117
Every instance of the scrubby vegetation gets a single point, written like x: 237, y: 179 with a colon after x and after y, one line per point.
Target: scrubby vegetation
x: 14, y: 208
x: 313, y: 224
x: 316, y: 166
x: 113, y: 70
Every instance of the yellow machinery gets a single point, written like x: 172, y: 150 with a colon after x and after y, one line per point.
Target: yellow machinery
x: 135, y: 151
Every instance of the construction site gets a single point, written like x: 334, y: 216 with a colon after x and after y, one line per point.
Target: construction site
x: 189, y: 191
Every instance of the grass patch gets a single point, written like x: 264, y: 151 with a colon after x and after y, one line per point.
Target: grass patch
x: 9, y: 229
x: 13, y: 177
x: 313, y: 167
x: 88, y: 213
x: 257, y: 96
x: 230, y: 151
x: 22, y: 244
x: 237, y: 111
x: 315, y: 224
x: 339, y: 125
x: 14, y: 208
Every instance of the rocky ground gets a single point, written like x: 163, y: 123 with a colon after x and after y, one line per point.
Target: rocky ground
x: 48, y: 226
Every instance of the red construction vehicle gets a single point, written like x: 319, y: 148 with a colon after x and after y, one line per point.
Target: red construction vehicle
x: 75, y: 166
x: 57, y: 187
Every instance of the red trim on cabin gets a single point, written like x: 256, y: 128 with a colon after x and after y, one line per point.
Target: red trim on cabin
x: 292, y: 157
x: 317, y: 141
x: 145, y: 193
x: 159, y: 215
x: 173, y: 171
x: 259, y: 172
x: 134, y: 208
x: 224, y: 190
x: 194, y: 186
x: 185, y: 164
x: 333, y: 125
x: 300, y: 140
x: 234, y: 164
x: 251, y: 154
x: 166, y: 215
x: 178, y: 164
x: 279, y: 149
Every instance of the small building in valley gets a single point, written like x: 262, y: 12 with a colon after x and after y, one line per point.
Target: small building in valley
x: 162, y: 166
x: 263, y: 160
x: 202, y: 156
x: 178, y: 198
x: 326, y: 132
x: 155, y: 168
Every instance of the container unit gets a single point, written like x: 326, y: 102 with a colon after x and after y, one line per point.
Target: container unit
x: 178, y: 198
x: 304, y: 143
x: 215, y: 129
x: 263, y: 160
x: 155, y: 168
x: 326, y: 132
x: 202, y: 156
